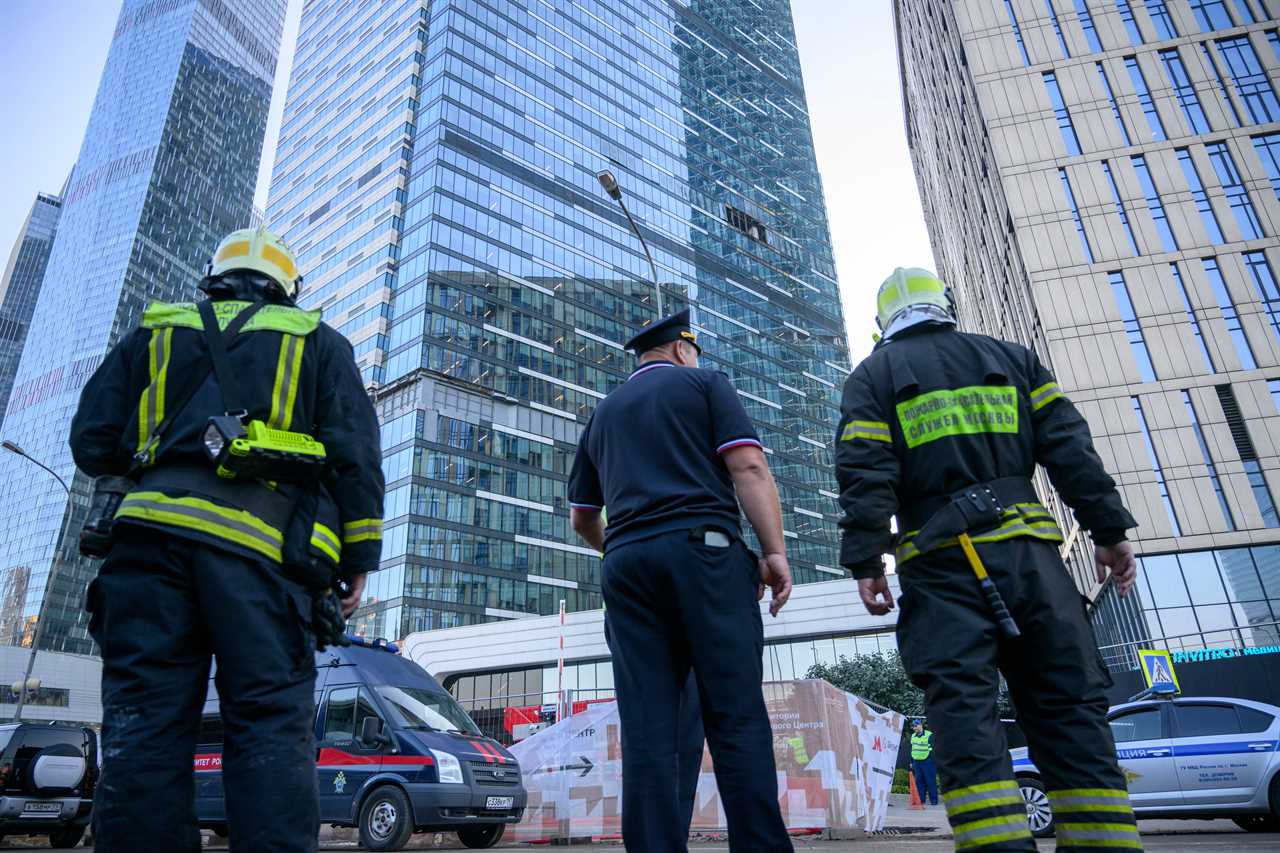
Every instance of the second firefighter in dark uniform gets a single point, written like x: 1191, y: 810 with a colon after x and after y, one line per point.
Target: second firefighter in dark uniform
x: 204, y: 565
x: 944, y: 430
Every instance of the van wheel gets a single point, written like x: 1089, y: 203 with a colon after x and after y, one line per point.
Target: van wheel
x: 66, y: 837
x: 480, y: 837
x: 386, y: 820
x: 220, y: 830
x: 1039, y: 813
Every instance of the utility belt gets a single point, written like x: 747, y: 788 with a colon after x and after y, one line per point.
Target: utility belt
x: 988, y: 512
x: 269, y: 505
x: 984, y: 512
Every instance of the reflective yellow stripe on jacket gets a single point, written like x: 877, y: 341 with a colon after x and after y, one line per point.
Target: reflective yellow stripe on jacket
x: 871, y: 430
x: 284, y: 393
x: 326, y: 541
x: 1028, y: 519
x: 274, y: 318
x: 151, y: 404
x: 234, y: 525
x: 1044, y: 395
x: 362, y: 529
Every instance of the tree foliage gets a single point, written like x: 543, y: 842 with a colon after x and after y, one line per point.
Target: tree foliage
x: 882, y: 680
x: 877, y: 678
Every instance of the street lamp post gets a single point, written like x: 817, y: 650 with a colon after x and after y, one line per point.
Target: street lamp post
x: 53, y: 566
x: 610, y: 185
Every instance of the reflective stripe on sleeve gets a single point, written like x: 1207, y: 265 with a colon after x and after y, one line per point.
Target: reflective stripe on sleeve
x: 326, y: 541
x: 233, y: 525
x: 362, y: 529
x: 151, y: 404
x: 285, y: 391
x: 1044, y: 395
x: 872, y: 430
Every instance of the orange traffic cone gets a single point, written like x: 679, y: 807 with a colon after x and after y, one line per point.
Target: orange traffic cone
x: 916, y: 802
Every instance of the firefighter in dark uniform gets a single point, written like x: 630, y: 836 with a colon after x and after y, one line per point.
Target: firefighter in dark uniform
x: 197, y: 562
x: 944, y: 430
x: 666, y: 452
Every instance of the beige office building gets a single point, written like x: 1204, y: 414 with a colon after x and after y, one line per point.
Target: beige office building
x: 1101, y: 181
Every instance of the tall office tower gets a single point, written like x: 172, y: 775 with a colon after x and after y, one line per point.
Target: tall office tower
x: 437, y: 177
x: 21, y: 285
x: 166, y: 169
x: 1101, y: 180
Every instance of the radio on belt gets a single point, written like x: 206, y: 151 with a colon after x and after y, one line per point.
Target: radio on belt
x: 256, y: 451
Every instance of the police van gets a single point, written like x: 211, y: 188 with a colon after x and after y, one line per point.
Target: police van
x: 1197, y: 757
x: 395, y: 755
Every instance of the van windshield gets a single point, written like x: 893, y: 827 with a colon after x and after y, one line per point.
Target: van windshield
x: 416, y: 708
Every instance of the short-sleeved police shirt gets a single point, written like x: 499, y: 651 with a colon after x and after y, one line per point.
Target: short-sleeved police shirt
x: 652, y: 453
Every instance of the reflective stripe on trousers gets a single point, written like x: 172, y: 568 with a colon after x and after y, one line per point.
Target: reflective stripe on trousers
x: 1094, y: 819
x: 988, y: 815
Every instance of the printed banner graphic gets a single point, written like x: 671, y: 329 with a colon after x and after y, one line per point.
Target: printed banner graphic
x: 835, y: 758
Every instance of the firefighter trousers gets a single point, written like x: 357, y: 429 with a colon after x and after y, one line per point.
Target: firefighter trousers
x: 952, y: 650
x: 161, y: 606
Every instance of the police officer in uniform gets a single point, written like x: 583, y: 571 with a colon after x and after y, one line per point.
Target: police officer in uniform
x: 666, y: 452
x: 196, y: 566
x: 944, y: 430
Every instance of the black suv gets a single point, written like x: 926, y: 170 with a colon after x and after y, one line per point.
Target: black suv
x: 47, y: 776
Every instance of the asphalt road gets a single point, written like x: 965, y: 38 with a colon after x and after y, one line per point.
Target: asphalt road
x: 1219, y: 836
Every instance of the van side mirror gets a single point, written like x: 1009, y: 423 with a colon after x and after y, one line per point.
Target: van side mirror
x: 371, y: 733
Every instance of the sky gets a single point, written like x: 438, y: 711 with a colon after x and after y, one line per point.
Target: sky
x: 52, y: 53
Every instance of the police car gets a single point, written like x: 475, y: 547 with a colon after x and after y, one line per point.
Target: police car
x: 396, y: 755
x: 1201, y: 757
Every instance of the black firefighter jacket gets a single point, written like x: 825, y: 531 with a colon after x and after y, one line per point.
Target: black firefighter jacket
x: 295, y: 373
x: 932, y: 411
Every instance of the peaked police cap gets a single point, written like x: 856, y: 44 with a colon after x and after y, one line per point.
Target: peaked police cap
x: 673, y: 328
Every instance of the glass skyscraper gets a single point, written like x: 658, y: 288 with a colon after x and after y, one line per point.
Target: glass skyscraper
x: 21, y: 285
x: 436, y: 175
x: 166, y: 169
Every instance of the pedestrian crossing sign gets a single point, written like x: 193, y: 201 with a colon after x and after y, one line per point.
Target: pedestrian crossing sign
x: 1157, y: 670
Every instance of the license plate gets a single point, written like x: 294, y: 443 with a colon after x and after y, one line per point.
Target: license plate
x: 499, y: 802
x: 42, y: 808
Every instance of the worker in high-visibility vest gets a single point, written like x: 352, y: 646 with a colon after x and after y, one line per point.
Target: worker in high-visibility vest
x: 922, y: 762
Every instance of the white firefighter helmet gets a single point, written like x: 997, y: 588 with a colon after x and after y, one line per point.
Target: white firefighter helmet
x: 911, y: 296
x: 259, y: 250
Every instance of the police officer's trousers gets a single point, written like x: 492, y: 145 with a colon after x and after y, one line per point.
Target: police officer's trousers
x: 161, y: 606
x: 952, y: 650
x: 675, y: 604
x: 691, y: 741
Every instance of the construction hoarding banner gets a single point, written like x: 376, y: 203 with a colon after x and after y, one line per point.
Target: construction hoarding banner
x: 835, y: 758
